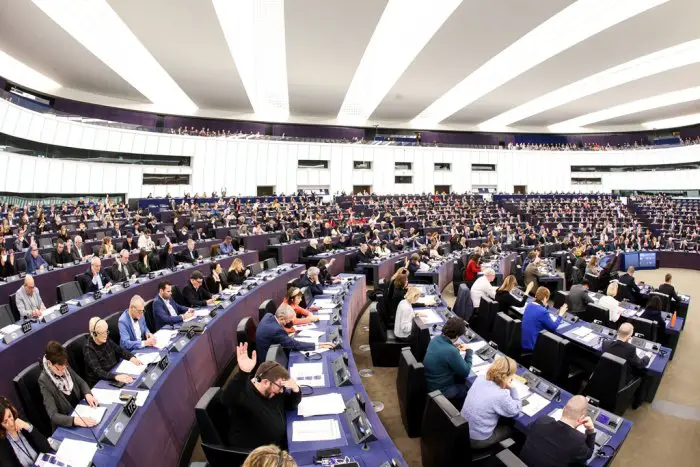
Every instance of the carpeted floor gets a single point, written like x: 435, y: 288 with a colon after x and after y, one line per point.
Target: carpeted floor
x: 665, y: 433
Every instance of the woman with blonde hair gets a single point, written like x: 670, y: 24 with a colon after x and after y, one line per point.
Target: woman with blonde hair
x: 237, y: 272
x: 404, y: 314
x: 106, y: 248
x: 506, y: 299
x: 610, y: 303
x: 491, y: 397
x: 269, y: 456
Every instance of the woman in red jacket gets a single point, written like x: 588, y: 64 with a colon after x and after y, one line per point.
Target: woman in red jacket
x: 472, y: 269
x: 304, y: 316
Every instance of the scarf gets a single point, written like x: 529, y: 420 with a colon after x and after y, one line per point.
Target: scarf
x: 64, y: 383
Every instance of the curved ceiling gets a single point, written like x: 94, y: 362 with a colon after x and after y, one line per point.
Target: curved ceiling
x: 497, y: 65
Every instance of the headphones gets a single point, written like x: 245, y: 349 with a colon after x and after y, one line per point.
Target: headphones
x: 259, y: 376
x: 602, y: 455
x: 93, y: 331
x: 507, y: 363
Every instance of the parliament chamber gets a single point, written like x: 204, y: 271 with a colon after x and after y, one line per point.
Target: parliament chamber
x: 273, y: 234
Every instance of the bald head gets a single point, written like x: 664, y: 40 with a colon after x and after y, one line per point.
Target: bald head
x: 575, y: 409
x: 625, y: 331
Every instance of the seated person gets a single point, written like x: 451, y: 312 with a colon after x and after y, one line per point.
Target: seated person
x: 226, y: 248
x: 129, y: 242
x: 106, y: 249
x: 28, y: 299
x: 445, y: 369
x: 121, y: 269
x: 552, y: 443
x: 62, y: 389
x: 34, y: 261
x: 194, y: 294
x: 324, y: 275
x: 257, y: 406
x: 216, y: 282
x: 102, y: 355
x: 20, y: 443
x: 506, y: 297
x: 365, y: 255
x: 262, y: 456
x: 668, y: 289
x: 491, y: 397
x: 404, y: 314
x: 76, y: 252
x: 94, y: 279
x: 167, y: 258
x: 165, y: 310
x: 273, y: 330
x: 532, y: 273
x: 293, y: 299
x: 59, y: 255
x: 630, y: 283
x: 592, y: 266
x: 610, y: 303
x: 133, y: 332
x: 397, y: 290
x: 412, y: 264
x: 578, y: 298
x: 237, y: 272
x: 312, y: 248
x: 382, y: 249
x: 189, y: 254
x: 621, y: 347
x: 482, y: 287
x: 472, y: 269
x: 310, y: 280
x: 143, y: 265
x: 537, y: 318
x: 652, y: 312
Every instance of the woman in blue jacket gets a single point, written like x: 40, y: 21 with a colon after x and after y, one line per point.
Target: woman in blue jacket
x: 537, y: 317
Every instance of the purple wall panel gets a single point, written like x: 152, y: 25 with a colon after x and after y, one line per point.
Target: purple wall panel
x: 84, y: 109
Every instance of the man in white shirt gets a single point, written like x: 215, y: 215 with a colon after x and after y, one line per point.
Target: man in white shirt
x: 482, y: 287
x: 133, y: 332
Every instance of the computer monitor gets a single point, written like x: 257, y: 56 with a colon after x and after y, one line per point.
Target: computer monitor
x: 632, y: 259
x: 256, y: 268
x: 647, y: 260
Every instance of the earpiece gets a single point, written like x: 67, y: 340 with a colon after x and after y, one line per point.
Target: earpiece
x: 93, y: 332
x: 259, y: 376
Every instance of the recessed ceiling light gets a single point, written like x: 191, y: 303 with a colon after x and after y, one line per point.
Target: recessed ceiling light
x: 574, y: 24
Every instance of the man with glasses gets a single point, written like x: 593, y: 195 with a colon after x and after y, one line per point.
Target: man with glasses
x: 194, y: 294
x: 29, y: 302
x: 33, y: 260
x: 102, y: 354
x: 133, y: 333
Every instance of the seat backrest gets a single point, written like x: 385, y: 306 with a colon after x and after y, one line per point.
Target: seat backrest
x: 411, y: 389
x: 27, y: 387
x: 148, y: 315
x: 204, y: 252
x: 113, y: 326
x: 420, y: 335
x: 457, y: 272
x: 623, y: 292
x: 382, y: 286
x: 377, y: 331
x: 212, y: 417
x: 177, y: 296
x: 506, y: 458
x: 6, y: 316
x: 559, y: 298
x: 76, y: 358
x: 268, y: 306
x: 549, y: 356
x: 463, y: 307
x: 270, y: 263
x: 21, y: 265
x: 514, y: 347
x: 608, y: 378
x: 223, y: 456
x: 306, y: 297
x: 595, y: 312
x: 68, y: 291
x: 292, y: 283
x: 245, y: 333
x: 666, y: 303
x: 256, y: 268
x: 445, y: 433
x: 645, y: 327
x: 276, y: 353
x: 502, y: 327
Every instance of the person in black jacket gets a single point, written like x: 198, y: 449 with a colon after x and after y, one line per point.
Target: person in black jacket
x: 365, y: 255
x: 324, y: 275
x: 129, y: 243
x: 628, y: 280
x: 668, y: 289
x: 312, y: 248
x: 94, y: 279
x: 507, y: 296
x: 621, y: 347
x: 121, y: 269
x: 189, y: 254
x: 652, y: 312
x: 59, y: 255
x: 166, y: 258
x: 237, y: 272
x: 216, y: 282
x: 20, y: 442
x: 194, y: 294
x: 7, y: 263
x: 310, y: 280
x: 552, y: 443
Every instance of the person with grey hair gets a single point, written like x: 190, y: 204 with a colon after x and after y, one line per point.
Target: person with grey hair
x: 311, y: 280
x: 482, y: 287
x: 133, y: 333
x: 29, y: 302
x: 273, y: 330
x: 312, y: 248
x: 76, y: 251
x: 121, y: 269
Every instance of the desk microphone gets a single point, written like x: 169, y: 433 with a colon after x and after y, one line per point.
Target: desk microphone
x: 99, y: 445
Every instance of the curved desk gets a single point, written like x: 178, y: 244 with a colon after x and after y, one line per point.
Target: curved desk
x: 28, y: 348
x: 374, y: 453
x: 159, y: 430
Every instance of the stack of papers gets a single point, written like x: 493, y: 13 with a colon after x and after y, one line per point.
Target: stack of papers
x: 315, y: 430
x: 581, y: 332
x: 85, y: 411
x: 520, y: 388
x: 76, y: 453
x: 476, y: 345
x: 10, y: 328
x: 128, y: 368
x: 429, y: 316
x: 309, y: 374
x: 148, y: 358
x: 199, y: 312
x: 429, y: 300
x: 331, y: 291
x: 327, y: 404
x: 310, y: 334
x: 533, y: 404
x: 305, y: 326
x: 324, y: 303
x: 163, y: 337
x: 111, y: 396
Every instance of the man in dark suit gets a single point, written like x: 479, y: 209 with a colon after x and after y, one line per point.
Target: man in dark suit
x: 189, y: 254
x: 117, y: 231
x: 578, y: 297
x: 365, y: 255
x: 628, y: 280
x: 623, y: 349
x: 94, y: 279
x: 668, y: 289
x: 194, y: 294
x: 199, y: 235
x: 310, y: 280
x: 553, y: 443
x: 532, y: 273
x: 129, y: 243
x: 121, y: 269
x: 167, y: 311
x: 312, y: 248
x: 77, y: 253
x: 59, y: 255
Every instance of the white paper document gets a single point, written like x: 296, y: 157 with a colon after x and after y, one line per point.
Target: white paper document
x: 199, y: 312
x: 305, y: 326
x: 85, y: 411
x: 481, y: 369
x: 128, y: 368
x: 581, y: 332
x: 163, y: 337
x: 310, y: 374
x: 310, y: 334
x: 590, y: 337
x: 475, y: 346
x: 327, y: 404
x: 520, y: 388
x: 325, y: 303
x: 148, y: 358
x: 430, y: 317
x: 315, y: 430
x: 111, y: 396
x: 533, y: 404
x: 76, y: 453
x: 429, y: 300
x: 332, y: 291
x: 10, y: 328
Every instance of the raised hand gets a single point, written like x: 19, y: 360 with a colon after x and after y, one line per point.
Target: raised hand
x: 245, y: 363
